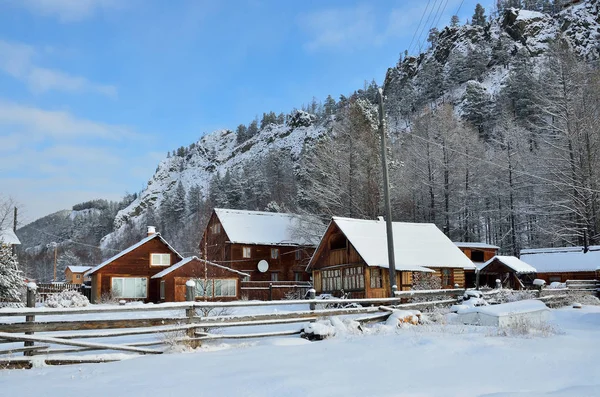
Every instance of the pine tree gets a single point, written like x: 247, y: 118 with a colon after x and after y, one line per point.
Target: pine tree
x: 11, y: 278
x: 477, y: 107
x: 454, y: 21
x: 178, y: 203
x: 479, y: 18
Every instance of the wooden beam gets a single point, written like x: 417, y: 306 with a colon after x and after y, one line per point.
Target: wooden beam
x: 59, y: 341
x: 23, y: 349
x: 51, y: 326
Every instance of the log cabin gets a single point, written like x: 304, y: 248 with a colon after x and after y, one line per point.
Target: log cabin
x: 127, y: 274
x: 512, y: 272
x: 352, y: 257
x: 559, y: 264
x: 213, y: 282
x: 478, y: 253
x: 281, y: 243
x: 75, y: 274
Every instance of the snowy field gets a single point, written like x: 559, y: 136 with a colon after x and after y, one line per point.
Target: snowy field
x: 428, y: 360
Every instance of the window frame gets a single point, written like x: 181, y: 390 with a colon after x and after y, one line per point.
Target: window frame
x: 215, y: 228
x: 331, y: 280
x: 216, y: 284
x: 447, y: 274
x: 162, y: 255
x: 275, y: 276
x: 375, y: 278
x: 274, y: 253
x: 353, y: 278
x: 78, y: 276
x: 246, y: 252
x: 479, y: 254
x: 112, y: 288
x: 162, y: 293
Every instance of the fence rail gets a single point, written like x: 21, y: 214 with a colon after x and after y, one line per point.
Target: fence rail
x: 186, y: 322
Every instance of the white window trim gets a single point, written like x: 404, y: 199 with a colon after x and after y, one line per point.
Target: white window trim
x: 274, y: 253
x: 127, y: 278
x: 212, y: 292
x: 246, y: 249
x: 162, y: 256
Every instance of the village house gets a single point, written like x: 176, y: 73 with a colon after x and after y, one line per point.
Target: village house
x: 127, y: 275
x: 8, y: 238
x: 352, y: 257
x: 76, y: 274
x: 478, y: 253
x: 213, y: 282
x: 512, y: 272
x: 564, y: 263
x: 272, y: 248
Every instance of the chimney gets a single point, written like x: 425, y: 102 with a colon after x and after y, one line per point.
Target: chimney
x: 151, y: 230
x: 380, y: 218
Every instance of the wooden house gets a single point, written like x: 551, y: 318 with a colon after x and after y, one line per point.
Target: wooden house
x: 478, y: 253
x: 76, y: 274
x: 127, y: 275
x: 564, y: 263
x: 213, y: 282
x: 281, y: 243
x: 512, y: 272
x: 353, y: 257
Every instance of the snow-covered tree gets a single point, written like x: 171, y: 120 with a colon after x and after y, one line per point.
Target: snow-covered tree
x: 479, y: 17
x: 11, y: 278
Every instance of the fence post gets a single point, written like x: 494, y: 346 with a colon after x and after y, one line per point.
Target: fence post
x: 312, y: 294
x: 270, y: 291
x: 31, y: 292
x: 190, y: 312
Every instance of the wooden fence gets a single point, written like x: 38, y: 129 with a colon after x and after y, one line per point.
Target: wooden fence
x: 274, y: 290
x: 44, y: 290
x: 63, y: 341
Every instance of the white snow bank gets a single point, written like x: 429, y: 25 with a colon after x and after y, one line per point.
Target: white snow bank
x: 505, y: 314
x: 528, y: 14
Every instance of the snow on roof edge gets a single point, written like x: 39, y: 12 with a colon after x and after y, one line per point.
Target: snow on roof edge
x: 187, y: 260
x: 519, y: 266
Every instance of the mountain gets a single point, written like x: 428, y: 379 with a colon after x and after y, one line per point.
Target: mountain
x: 492, y: 76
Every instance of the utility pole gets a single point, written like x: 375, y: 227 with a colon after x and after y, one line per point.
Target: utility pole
x: 55, y: 250
x: 14, y: 246
x: 386, y: 193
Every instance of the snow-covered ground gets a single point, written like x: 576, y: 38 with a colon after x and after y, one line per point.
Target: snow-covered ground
x: 427, y: 360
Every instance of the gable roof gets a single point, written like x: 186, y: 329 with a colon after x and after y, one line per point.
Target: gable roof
x: 8, y: 236
x: 79, y: 269
x: 187, y: 260
x: 128, y: 250
x: 417, y: 246
x: 462, y: 244
x: 563, y: 259
x: 512, y: 262
x: 269, y: 228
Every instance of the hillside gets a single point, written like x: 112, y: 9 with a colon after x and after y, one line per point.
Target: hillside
x: 488, y: 85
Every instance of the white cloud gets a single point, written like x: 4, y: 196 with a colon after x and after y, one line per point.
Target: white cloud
x: 69, y: 10
x: 17, y: 60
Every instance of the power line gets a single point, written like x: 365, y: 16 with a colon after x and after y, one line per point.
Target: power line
x: 418, y: 42
x: 419, y: 25
x: 431, y: 13
x: 73, y: 241
x: 440, y: 16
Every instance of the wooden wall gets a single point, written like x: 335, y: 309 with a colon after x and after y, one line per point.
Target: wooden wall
x: 133, y: 264
x: 488, y: 253
x: 195, y: 269
x: 457, y: 276
x: 71, y: 278
x: 564, y: 276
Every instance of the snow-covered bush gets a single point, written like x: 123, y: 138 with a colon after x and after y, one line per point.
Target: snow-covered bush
x: 524, y: 327
x: 67, y: 298
x: 584, y: 299
x: 11, y: 278
x: 509, y: 295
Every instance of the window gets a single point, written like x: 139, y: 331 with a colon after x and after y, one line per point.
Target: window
x: 376, y: 281
x: 246, y: 252
x: 216, y: 228
x: 477, y: 256
x: 274, y: 276
x: 297, y: 276
x: 353, y: 278
x: 332, y: 280
x: 555, y: 279
x: 446, y: 277
x: 129, y: 287
x: 274, y: 253
x: 78, y: 276
x: 216, y: 288
x: 162, y: 289
x: 337, y: 241
x: 160, y: 260
x: 246, y: 278
x: 298, y: 255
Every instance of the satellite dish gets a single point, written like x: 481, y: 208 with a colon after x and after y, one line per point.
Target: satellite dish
x: 263, y: 266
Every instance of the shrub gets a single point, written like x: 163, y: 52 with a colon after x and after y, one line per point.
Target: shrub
x: 67, y: 299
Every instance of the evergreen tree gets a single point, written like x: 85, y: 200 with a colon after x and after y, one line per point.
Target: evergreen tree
x: 11, y: 278
x: 454, y: 21
x: 477, y: 107
x: 252, y: 129
x: 479, y: 18
x: 329, y: 106
x: 194, y: 200
x: 242, y: 133
x: 178, y: 204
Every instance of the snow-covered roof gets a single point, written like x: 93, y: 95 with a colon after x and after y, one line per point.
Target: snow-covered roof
x: 79, y: 269
x: 417, y: 246
x: 462, y: 244
x: 8, y: 237
x: 513, y: 262
x: 269, y: 228
x: 187, y: 260
x: 563, y: 259
x: 128, y: 250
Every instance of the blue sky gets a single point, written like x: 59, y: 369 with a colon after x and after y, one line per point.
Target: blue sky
x: 93, y: 93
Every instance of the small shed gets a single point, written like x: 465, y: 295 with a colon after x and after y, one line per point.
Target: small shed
x: 559, y: 264
x: 506, y: 314
x: 214, y: 282
x: 478, y: 253
x: 75, y: 274
x: 512, y: 272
